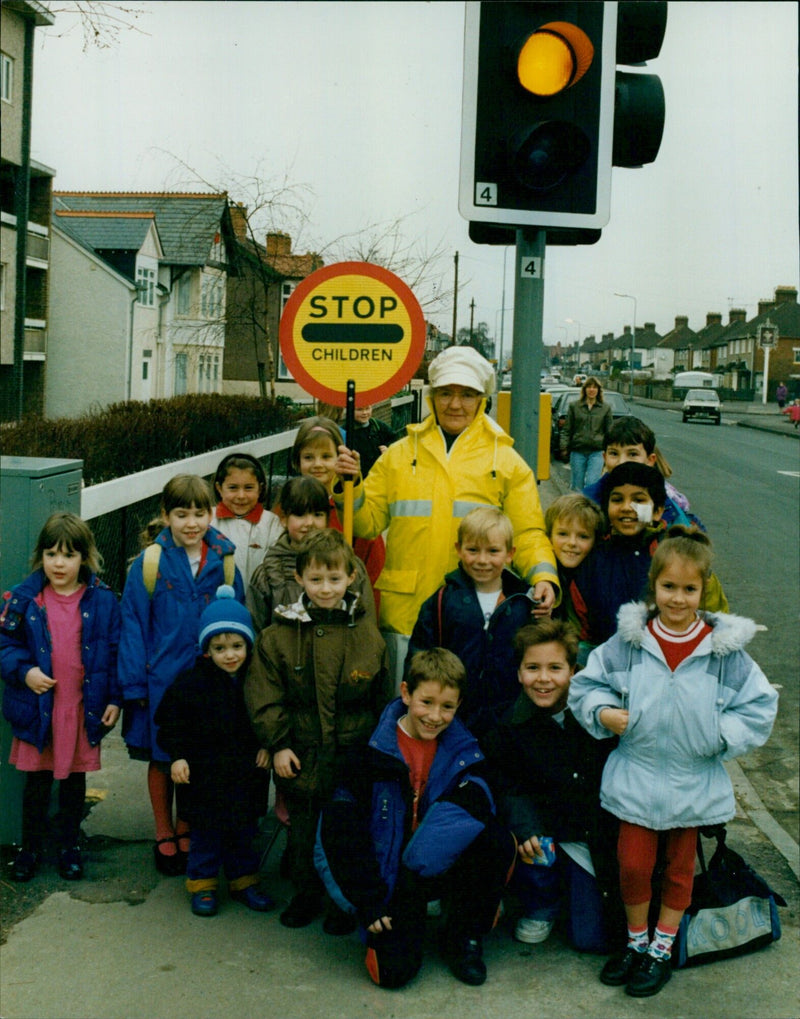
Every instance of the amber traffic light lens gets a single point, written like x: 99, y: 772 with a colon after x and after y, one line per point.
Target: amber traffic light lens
x: 554, y: 57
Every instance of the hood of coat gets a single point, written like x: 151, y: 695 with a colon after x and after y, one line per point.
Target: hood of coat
x: 729, y: 633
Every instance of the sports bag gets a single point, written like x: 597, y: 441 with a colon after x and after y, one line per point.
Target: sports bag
x: 733, y: 910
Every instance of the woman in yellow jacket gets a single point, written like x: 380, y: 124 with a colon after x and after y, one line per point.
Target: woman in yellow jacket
x: 423, y: 485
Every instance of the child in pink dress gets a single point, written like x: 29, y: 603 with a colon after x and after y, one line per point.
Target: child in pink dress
x: 59, y: 632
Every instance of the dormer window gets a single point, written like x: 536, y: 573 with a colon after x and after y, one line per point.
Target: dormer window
x: 146, y: 285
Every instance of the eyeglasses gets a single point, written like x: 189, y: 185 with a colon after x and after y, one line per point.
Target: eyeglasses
x: 448, y: 395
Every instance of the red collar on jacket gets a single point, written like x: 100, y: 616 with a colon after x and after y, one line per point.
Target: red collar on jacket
x: 253, y: 517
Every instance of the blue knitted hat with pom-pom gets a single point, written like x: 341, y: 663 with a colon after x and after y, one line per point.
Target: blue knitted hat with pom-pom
x: 225, y: 615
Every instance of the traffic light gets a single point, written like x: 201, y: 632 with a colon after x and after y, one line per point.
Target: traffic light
x: 538, y: 112
x: 638, y: 98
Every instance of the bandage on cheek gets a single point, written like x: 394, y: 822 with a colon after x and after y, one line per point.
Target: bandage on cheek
x: 644, y: 512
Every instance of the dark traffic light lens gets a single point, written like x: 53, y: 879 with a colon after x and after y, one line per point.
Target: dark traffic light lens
x: 549, y: 153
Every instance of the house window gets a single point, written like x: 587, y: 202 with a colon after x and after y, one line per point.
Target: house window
x: 6, y: 78
x: 181, y: 365
x: 146, y: 282
x: 184, y: 300
x: 796, y: 355
x: 145, y: 370
x: 211, y: 297
x: 286, y: 292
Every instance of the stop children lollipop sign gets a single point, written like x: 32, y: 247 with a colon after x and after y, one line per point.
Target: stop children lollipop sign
x: 352, y: 321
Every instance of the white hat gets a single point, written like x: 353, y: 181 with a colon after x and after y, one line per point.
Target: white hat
x: 462, y: 366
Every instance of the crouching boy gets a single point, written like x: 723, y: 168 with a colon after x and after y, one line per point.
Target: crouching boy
x: 547, y: 778
x: 412, y: 820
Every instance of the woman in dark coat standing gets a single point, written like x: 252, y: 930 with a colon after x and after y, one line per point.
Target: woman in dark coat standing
x: 583, y: 437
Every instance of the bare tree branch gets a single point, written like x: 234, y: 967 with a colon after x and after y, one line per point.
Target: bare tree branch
x: 101, y: 23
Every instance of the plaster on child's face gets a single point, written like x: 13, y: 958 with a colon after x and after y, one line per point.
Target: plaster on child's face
x: 545, y: 675
x: 239, y: 491
x: 227, y: 651
x: 631, y: 509
x: 571, y: 542
x: 62, y: 568
x: 431, y: 708
x: 317, y: 460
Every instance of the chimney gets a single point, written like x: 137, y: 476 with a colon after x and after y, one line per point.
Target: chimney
x: 239, y: 221
x: 765, y: 305
x: 785, y: 294
x: 681, y: 322
x: 737, y: 315
x: 279, y: 244
x: 713, y: 318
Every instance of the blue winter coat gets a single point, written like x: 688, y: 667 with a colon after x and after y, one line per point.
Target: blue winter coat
x: 25, y: 643
x: 159, y: 633
x: 487, y: 653
x: 667, y: 770
x: 365, y: 833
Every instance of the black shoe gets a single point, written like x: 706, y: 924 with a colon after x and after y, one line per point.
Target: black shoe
x: 620, y: 968
x: 337, y: 923
x: 169, y: 866
x: 70, y: 864
x: 650, y: 977
x: 24, y: 866
x: 303, y: 908
x: 464, y: 956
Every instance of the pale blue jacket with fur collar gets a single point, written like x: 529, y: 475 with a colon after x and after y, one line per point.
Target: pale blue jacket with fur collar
x: 667, y: 770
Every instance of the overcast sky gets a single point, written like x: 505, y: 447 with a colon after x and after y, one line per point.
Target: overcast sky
x: 359, y: 106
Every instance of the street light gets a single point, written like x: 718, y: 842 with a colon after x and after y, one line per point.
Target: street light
x: 630, y: 297
x: 575, y: 322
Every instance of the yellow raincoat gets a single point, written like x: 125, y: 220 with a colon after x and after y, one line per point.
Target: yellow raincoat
x: 420, y: 492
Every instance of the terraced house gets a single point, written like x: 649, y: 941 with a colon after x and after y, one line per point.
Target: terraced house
x: 138, y: 297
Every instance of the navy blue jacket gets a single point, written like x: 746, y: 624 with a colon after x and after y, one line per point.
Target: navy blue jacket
x: 487, y: 653
x: 203, y: 720
x: 364, y: 834
x: 25, y: 643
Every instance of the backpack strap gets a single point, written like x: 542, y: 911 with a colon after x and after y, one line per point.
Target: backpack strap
x: 229, y: 568
x: 152, y: 557
x: 150, y: 561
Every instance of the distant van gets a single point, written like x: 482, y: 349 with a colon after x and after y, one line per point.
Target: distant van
x: 693, y: 380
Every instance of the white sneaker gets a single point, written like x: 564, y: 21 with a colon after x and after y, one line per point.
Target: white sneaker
x: 531, y: 932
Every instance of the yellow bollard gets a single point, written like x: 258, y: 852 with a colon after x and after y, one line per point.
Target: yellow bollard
x: 545, y: 417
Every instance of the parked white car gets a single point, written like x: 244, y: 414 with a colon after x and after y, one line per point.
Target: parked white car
x: 702, y: 403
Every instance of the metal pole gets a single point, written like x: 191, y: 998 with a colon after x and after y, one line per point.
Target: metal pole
x: 503, y: 313
x: 455, y: 300
x: 527, y: 343
x: 633, y: 336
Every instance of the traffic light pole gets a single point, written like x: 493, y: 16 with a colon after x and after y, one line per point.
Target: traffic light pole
x: 527, y: 342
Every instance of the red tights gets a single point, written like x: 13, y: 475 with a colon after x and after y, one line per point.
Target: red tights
x: 636, y: 853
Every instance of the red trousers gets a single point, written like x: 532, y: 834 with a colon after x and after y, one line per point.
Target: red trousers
x: 636, y: 853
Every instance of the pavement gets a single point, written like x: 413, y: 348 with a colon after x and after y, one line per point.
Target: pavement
x: 123, y: 944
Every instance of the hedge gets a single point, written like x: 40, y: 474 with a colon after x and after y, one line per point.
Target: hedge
x: 124, y: 438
